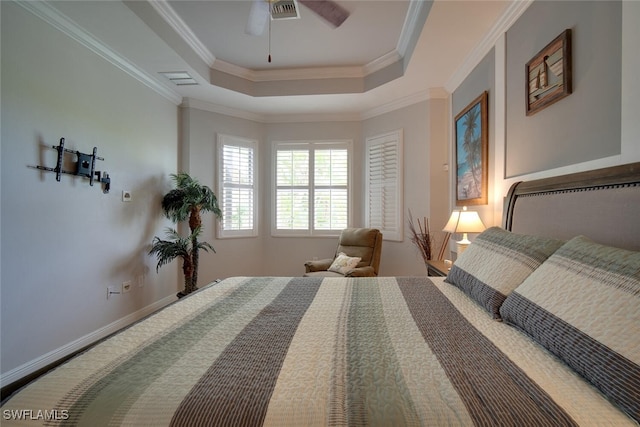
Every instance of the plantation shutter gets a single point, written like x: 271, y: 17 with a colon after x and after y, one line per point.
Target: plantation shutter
x: 311, y: 187
x: 292, y: 189
x: 384, y: 189
x: 237, y: 186
x: 331, y: 178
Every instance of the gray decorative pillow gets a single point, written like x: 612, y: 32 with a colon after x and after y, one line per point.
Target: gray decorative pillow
x: 583, y: 305
x: 496, y: 263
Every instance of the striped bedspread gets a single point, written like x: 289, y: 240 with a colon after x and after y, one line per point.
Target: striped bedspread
x: 252, y: 351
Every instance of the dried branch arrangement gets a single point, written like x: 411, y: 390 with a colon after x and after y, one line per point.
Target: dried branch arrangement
x: 424, y: 240
x: 421, y: 237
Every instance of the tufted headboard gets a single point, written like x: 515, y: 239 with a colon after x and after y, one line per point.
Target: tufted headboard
x: 602, y: 204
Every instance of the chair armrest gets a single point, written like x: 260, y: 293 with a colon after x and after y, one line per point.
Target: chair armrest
x: 317, y: 265
x: 367, y: 271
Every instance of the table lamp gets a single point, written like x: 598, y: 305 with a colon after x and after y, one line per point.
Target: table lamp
x: 464, y: 222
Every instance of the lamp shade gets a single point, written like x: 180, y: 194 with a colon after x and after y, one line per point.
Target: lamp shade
x: 464, y: 222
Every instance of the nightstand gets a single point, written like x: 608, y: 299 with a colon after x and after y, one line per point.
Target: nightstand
x: 437, y: 268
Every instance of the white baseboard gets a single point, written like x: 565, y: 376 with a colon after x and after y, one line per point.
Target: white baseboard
x: 57, y: 354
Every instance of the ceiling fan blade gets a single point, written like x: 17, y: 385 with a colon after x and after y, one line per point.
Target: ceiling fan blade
x: 258, y: 17
x: 331, y: 11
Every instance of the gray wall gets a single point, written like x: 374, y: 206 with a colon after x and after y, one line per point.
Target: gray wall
x: 596, y: 126
x: 479, y: 80
x: 64, y: 242
x: 585, y: 125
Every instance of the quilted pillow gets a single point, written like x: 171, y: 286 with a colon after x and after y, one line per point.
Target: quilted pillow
x: 343, y: 263
x: 496, y: 263
x: 583, y: 305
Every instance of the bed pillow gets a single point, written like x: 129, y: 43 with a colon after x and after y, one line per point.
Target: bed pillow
x: 583, y: 305
x: 343, y: 263
x: 496, y: 263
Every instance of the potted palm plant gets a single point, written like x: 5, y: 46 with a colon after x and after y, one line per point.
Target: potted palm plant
x: 187, y: 201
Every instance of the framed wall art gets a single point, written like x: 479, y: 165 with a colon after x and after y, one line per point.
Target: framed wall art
x: 472, y: 158
x: 548, y: 74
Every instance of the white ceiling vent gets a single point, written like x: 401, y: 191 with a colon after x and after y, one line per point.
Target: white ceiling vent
x: 284, y: 9
x: 180, y: 78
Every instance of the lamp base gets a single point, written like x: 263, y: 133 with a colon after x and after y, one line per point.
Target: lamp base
x: 462, y: 245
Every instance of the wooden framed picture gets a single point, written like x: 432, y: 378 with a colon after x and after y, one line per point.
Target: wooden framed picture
x: 548, y: 74
x: 472, y: 158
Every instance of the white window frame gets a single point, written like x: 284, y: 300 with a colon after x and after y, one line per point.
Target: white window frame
x: 310, y: 146
x: 392, y: 228
x: 231, y: 140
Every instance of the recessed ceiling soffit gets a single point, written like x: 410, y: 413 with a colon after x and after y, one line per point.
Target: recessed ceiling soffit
x: 161, y: 17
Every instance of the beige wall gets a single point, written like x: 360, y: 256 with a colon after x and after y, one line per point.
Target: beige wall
x: 424, y: 125
x: 423, y: 130
x: 285, y: 256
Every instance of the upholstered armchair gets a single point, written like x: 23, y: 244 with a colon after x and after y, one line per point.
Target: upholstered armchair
x: 357, y: 255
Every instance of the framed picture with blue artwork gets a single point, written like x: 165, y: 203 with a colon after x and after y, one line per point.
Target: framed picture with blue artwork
x: 472, y: 157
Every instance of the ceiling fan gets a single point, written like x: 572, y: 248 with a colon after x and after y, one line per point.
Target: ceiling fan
x: 329, y: 10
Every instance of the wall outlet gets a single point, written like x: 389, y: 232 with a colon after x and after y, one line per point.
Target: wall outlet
x: 126, y: 286
x: 127, y: 196
x: 113, y: 290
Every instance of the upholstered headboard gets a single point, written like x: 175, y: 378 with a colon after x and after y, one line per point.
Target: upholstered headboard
x: 602, y: 204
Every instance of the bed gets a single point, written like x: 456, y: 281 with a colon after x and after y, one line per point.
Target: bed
x: 534, y: 325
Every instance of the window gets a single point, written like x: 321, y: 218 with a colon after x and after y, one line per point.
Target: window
x: 384, y: 190
x: 311, y: 187
x: 237, y: 188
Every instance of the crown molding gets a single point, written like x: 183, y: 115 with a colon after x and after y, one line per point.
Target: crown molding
x: 169, y: 14
x: 410, y: 30
x: 269, y: 118
x: 221, y: 109
x: 48, y: 13
x: 313, y: 118
x: 438, y: 93
x: 396, y: 104
x: 45, y: 11
x: 381, y: 63
x: 315, y: 73
x: 285, y: 74
x: 412, y: 25
x: 433, y: 93
x: 513, y: 12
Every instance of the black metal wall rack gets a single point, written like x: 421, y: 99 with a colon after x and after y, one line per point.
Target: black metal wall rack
x: 84, y: 165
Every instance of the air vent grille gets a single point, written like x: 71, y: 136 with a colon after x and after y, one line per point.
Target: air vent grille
x: 179, y: 78
x: 284, y: 9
